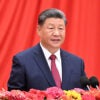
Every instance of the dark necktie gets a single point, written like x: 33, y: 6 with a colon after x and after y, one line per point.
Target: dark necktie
x: 55, y: 72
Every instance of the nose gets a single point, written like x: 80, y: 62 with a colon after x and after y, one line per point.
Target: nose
x: 56, y: 32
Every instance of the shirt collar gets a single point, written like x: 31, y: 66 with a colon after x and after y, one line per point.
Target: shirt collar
x: 48, y: 54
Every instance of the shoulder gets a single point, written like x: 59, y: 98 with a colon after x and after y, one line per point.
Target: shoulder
x: 69, y: 55
x: 28, y: 52
x: 72, y: 59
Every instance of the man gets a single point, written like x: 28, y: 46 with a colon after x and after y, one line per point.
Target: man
x: 32, y: 68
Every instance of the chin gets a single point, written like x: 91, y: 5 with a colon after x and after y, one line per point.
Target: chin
x: 56, y: 46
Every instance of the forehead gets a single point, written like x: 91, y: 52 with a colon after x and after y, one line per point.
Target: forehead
x: 54, y: 21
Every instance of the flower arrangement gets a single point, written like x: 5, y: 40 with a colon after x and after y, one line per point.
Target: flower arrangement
x: 73, y: 94
x: 52, y: 93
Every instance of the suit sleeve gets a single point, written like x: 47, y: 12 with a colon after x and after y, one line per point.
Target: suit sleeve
x: 83, y: 68
x: 17, y: 75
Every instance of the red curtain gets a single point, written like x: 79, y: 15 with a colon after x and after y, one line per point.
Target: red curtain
x: 18, y: 20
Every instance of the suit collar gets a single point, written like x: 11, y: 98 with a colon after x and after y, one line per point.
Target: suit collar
x: 65, y: 69
x: 43, y: 65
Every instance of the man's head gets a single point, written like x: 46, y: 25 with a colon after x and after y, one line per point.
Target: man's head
x: 51, y: 29
x: 51, y: 13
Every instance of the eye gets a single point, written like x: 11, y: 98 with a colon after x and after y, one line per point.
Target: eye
x: 61, y: 28
x: 51, y: 28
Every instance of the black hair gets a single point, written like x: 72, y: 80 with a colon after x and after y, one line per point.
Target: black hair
x: 51, y: 13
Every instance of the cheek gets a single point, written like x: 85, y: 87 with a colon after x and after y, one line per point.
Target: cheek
x: 45, y: 36
x: 63, y: 35
x: 42, y: 34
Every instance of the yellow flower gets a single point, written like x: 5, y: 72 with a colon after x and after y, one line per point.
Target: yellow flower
x: 73, y: 94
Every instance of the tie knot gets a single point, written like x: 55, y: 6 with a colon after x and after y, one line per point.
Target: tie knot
x: 52, y: 57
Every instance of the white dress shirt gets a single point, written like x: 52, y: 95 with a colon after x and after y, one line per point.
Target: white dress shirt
x: 47, y: 54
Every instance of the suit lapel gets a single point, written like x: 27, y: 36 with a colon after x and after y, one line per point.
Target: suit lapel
x: 65, y: 70
x: 43, y: 65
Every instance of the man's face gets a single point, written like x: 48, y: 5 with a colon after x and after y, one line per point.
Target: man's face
x: 52, y: 33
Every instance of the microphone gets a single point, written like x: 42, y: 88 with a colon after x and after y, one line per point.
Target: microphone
x: 94, y: 82
x: 85, y: 82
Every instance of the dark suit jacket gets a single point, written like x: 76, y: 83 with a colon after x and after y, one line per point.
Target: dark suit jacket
x: 30, y: 70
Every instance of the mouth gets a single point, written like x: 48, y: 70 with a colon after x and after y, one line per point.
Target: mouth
x: 55, y: 40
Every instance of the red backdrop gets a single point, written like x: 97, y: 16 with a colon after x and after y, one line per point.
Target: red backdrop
x: 18, y: 20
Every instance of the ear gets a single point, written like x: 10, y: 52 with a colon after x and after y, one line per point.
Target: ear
x: 38, y: 29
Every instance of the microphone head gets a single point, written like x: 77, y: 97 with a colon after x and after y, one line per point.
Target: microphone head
x: 94, y: 81
x: 84, y: 81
